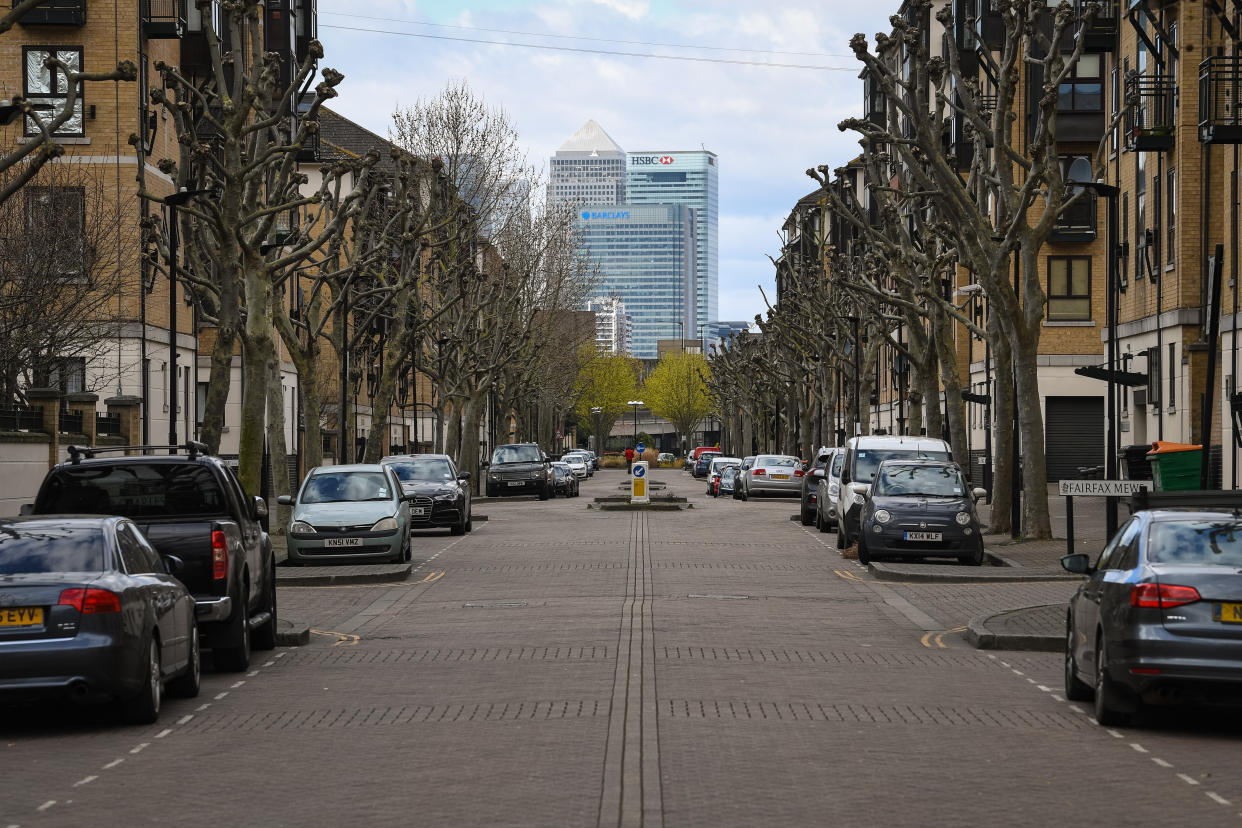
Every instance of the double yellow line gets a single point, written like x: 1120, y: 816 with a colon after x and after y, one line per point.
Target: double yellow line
x: 938, y: 638
x: 347, y: 639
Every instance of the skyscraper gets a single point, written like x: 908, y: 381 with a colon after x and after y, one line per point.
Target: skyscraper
x: 589, y: 168
x: 613, y: 326
x: 688, y: 178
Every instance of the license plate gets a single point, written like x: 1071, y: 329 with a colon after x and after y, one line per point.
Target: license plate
x: 21, y: 616
x: 923, y: 536
x: 418, y: 511
x: 333, y: 543
x: 1227, y: 613
x: 780, y: 477
x: 517, y: 482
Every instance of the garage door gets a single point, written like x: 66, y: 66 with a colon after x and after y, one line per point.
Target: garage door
x: 1073, y: 435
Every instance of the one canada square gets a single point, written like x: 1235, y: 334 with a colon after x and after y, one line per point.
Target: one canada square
x: 649, y: 221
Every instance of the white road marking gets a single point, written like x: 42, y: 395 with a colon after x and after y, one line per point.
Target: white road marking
x: 1139, y: 747
x: 113, y: 763
x: 185, y: 719
x: 1056, y: 697
x: 1032, y: 681
x: 1215, y: 797
x: 1018, y: 673
x: 991, y: 656
x: 221, y: 695
x: 46, y: 805
x: 237, y: 684
x: 1045, y: 689
x: 253, y: 673
x: 1189, y: 780
x: 85, y: 781
x: 140, y: 747
x: 1005, y: 664
x: 281, y: 655
x: 163, y: 733
x: 268, y: 663
x: 202, y: 707
x: 1161, y: 762
x: 1115, y: 734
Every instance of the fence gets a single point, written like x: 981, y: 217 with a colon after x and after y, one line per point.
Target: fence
x: 21, y: 419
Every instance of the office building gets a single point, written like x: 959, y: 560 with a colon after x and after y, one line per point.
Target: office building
x: 613, y: 326
x: 646, y: 256
x: 589, y: 168
x: 688, y: 178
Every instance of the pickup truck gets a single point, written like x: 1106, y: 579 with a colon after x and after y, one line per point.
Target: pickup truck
x: 190, y: 506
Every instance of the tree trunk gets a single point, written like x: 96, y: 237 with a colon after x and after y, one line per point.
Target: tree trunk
x: 468, y: 460
x: 933, y: 416
x: 1002, y: 436
x: 278, y: 451
x: 955, y: 409
x: 218, y: 383
x: 1036, y: 522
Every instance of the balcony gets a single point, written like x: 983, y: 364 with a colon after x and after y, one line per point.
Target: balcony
x: 978, y: 25
x: 1220, y: 96
x: 55, y: 13
x: 961, y: 143
x: 1150, y: 123
x: 1078, y: 223
x: 162, y: 19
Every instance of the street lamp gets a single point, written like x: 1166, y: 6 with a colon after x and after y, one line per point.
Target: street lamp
x: 177, y: 199
x: 636, y: 404
x: 596, y: 413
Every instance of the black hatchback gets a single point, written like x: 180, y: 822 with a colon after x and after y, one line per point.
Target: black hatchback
x: 90, y: 612
x: 1159, y: 618
x: 920, y: 509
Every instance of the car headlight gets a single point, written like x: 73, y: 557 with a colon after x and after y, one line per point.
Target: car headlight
x: 535, y: 475
x: 300, y: 527
x: 445, y: 496
x: 384, y: 525
x: 834, y: 489
x: 859, y: 498
x: 881, y: 516
x: 963, y: 518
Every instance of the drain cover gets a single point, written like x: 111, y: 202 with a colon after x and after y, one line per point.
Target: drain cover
x: 494, y: 604
x: 727, y: 597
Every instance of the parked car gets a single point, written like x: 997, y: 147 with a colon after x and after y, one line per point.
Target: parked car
x: 91, y: 612
x: 921, y: 509
x: 810, y: 483
x: 577, y: 463
x: 593, y: 465
x: 863, y: 456
x: 692, y: 458
x: 1159, y: 617
x: 829, y: 492
x: 565, y: 482
x: 357, y: 512
x: 714, y: 468
x: 728, y: 481
x: 440, y: 494
x: 519, y: 469
x: 189, y: 506
x: 703, y: 462
x: 665, y: 457
x: 779, y: 474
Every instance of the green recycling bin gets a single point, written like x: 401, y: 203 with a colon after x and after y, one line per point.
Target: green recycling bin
x: 1175, y: 466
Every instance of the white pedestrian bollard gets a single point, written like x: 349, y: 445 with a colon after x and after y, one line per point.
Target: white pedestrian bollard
x: 638, y: 483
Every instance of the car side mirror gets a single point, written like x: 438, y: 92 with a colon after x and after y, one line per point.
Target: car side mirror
x: 463, y: 476
x: 979, y: 494
x: 483, y: 464
x: 285, y: 500
x: 817, y: 473
x: 173, y: 565
x: 260, y: 507
x: 1077, y: 564
x: 26, y: 509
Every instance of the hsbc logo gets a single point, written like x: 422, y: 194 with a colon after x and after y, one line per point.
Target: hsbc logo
x: 647, y: 160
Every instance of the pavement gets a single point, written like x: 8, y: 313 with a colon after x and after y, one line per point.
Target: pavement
x: 559, y: 665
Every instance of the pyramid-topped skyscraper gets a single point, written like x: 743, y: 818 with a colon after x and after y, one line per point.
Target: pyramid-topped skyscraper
x: 589, y: 168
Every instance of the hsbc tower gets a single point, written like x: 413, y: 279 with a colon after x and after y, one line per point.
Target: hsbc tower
x: 687, y: 178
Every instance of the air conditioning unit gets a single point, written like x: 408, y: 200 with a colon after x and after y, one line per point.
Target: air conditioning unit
x: 1140, y: 397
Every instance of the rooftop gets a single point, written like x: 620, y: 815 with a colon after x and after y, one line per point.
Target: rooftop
x: 592, y: 139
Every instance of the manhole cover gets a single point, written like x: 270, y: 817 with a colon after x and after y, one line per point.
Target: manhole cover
x: 494, y: 604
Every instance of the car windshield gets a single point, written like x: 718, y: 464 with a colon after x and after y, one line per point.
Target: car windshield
x: 1196, y: 541
x: 777, y: 461
x: 346, y: 487
x: 42, y: 549
x: 573, y: 458
x: 516, y: 454
x: 134, y: 490
x: 421, y: 471
x: 867, y: 461
x: 930, y: 481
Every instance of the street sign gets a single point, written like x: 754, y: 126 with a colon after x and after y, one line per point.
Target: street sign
x: 640, y: 448
x: 638, y: 483
x: 1101, y: 488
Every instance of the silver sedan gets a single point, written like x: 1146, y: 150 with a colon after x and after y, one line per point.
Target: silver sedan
x: 774, y: 474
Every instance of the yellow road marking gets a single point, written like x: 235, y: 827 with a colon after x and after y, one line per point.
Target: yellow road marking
x: 849, y: 576
x: 938, y: 638
x: 342, y: 638
x: 432, y: 577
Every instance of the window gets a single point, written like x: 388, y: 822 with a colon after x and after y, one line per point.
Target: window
x: 1083, y: 89
x: 56, y: 222
x: 1080, y: 217
x: 1153, y: 376
x: 1170, y: 214
x: 1128, y: 532
x: 1069, y: 288
x: 68, y: 374
x: 1140, y: 211
x: 47, y: 88
x: 1172, y: 375
x: 1115, y: 98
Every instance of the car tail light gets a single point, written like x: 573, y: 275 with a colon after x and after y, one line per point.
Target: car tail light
x: 219, y: 556
x: 90, y: 600
x: 799, y: 473
x: 758, y: 472
x: 1162, y: 596
x: 1145, y: 671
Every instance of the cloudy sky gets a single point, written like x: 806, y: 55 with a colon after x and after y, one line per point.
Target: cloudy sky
x: 766, y: 124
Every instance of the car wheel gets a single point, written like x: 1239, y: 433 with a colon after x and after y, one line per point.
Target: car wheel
x: 236, y: 659
x: 144, y: 708
x: 864, y: 557
x: 264, y: 638
x: 469, y: 520
x: 1106, y: 712
x: 1075, y: 688
x: 807, y: 518
x: 820, y: 523
x: 491, y: 492
x: 975, y: 559
x: 544, y: 494
x: 842, y: 541
x: 458, y: 528
x: 187, y: 684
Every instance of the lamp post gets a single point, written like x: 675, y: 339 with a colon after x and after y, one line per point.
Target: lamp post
x: 596, y: 412
x: 177, y: 199
x: 636, y: 404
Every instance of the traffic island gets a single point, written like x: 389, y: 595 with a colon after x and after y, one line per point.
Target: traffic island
x: 288, y: 575
x: 1039, y: 628
x: 291, y: 633
x: 658, y: 503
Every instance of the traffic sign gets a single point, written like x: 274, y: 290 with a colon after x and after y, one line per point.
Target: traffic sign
x: 638, y: 483
x: 640, y: 448
x: 640, y: 469
x: 1101, y: 488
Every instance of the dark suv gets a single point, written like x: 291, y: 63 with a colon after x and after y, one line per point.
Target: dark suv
x: 519, y: 469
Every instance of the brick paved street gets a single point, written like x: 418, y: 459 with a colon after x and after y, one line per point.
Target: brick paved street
x: 716, y: 666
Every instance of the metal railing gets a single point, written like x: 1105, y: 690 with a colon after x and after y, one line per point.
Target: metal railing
x: 70, y: 422
x: 108, y: 425
x: 1220, y: 100
x: 21, y: 419
x: 1150, y: 121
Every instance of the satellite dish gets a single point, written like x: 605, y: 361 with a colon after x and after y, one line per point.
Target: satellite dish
x: 1079, y: 171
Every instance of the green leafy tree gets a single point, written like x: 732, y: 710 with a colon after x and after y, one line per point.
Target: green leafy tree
x: 606, y: 382
x: 677, y: 391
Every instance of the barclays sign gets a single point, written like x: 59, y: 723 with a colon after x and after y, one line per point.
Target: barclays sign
x: 605, y: 214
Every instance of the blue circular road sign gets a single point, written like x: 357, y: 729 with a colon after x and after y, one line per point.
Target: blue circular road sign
x: 640, y: 448
x: 640, y: 471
